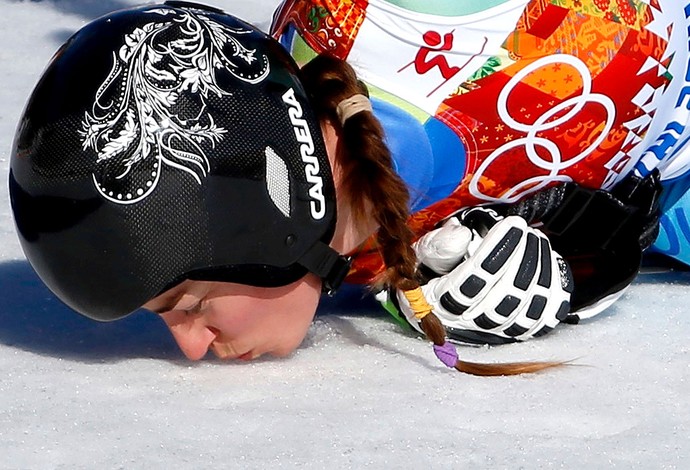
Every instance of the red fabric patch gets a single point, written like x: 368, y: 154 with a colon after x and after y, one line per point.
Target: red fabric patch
x: 549, y: 20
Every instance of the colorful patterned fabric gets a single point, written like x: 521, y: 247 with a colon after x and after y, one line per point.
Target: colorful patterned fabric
x: 536, y: 91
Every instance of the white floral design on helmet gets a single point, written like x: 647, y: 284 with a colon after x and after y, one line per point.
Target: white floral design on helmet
x: 151, y: 111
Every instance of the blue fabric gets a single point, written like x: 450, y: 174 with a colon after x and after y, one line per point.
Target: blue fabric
x: 430, y: 158
x: 409, y: 145
x: 449, y: 160
x: 287, y: 37
x: 674, y: 236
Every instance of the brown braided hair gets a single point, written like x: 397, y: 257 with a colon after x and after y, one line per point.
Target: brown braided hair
x: 370, y: 183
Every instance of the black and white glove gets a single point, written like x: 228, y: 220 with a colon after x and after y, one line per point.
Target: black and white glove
x: 493, y: 280
x: 601, y: 234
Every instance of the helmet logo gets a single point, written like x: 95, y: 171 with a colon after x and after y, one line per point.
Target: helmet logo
x: 151, y: 111
x: 311, y: 163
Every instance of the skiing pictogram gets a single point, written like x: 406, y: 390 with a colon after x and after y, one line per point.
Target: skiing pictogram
x: 435, y: 43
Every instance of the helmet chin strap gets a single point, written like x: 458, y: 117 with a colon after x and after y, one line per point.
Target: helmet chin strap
x: 328, y: 264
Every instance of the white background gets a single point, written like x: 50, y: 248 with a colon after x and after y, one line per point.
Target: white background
x: 76, y: 394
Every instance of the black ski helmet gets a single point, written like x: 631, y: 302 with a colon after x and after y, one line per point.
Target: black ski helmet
x: 170, y: 142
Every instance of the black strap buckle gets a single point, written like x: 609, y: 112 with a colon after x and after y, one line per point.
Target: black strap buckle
x: 337, y: 275
x: 328, y: 264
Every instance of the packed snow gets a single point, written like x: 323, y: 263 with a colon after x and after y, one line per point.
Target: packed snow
x: 360, y: 392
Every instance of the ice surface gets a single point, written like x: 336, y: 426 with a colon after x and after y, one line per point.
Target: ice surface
x: 76, y: 394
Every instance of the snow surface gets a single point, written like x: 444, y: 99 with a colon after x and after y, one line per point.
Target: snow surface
x: 76, y: 394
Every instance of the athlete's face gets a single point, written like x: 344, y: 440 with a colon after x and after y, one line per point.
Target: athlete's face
x: 237, y: 321
x: 244, y: 322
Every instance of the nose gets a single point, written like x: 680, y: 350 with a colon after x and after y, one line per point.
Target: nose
x: 191, y: 334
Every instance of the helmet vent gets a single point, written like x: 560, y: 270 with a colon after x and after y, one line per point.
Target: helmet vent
x: 277, y: 181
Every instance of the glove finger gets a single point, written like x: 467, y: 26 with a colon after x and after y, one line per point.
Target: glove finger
x: 556, y: 283
x: 545, y: 303
x: 507, y: 297
x: 500, y: 245
x: 485, y: 320
x: 526, y: 300
x: 467, y: 284
x: 443, y: 249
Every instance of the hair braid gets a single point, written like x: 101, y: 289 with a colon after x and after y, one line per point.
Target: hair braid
x: 367, y: 167
x: 370, y: 182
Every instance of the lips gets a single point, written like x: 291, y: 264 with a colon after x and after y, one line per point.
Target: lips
x: 248, y: 356
x: 225, y: 351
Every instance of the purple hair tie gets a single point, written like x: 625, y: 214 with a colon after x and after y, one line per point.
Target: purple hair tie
x: 446, y: 354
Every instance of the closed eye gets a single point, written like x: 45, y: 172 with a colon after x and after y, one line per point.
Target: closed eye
x: 193, y: 310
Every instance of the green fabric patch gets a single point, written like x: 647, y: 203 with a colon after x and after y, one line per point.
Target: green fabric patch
x: 389, y: 307
x: 301, y: 52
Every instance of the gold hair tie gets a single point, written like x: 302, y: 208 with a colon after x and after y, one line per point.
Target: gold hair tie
x: 351, y: 106
x: 418, y: 303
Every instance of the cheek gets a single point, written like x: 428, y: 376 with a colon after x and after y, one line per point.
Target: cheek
x: 266, y: 321
x: 269, y: 321
x: 287, y: 325
x: 234, y: 323
x: 289, y: 330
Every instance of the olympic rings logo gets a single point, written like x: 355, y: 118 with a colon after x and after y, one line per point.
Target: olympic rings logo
x: 554, y: 163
